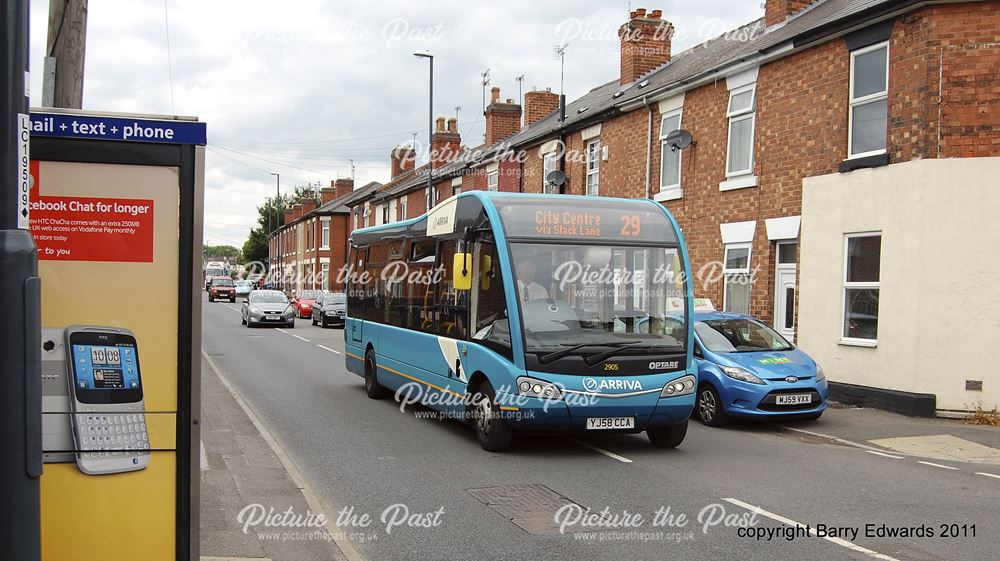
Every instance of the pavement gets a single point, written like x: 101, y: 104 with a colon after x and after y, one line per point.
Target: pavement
x: 240, y: 470
x: 356, y: 459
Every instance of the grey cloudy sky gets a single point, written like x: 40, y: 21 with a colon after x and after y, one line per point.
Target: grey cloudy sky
x: 301, y: 87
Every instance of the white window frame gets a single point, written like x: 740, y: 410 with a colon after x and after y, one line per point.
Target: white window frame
x: 857, y: 341
x: 549, y: 163
x: 428, y: 198
x: 593, y: 152
x: 325, y: 271
x: 324, y: 240
x: 493, y: 180
x: 402, y: 207
x: 673, y: 190
x: 737, y: 116
x: 864, y: 100
x: 727, y: 273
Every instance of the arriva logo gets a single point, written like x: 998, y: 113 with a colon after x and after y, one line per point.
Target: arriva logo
x: 593, y: 384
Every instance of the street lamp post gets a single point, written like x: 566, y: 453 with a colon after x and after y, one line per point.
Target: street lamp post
x: 277, y: 223
x: 430, y: 126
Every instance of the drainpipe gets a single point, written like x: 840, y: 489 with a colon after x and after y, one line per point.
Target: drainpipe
x: 649, y: 143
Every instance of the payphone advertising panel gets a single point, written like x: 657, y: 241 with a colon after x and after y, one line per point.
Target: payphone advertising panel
x: 112, y: 211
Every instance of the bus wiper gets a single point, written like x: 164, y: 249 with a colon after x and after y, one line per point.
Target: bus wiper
x: 595, y: 358
x: 556, y: 355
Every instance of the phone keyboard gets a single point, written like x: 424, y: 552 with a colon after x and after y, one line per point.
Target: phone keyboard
x: 113, y: 435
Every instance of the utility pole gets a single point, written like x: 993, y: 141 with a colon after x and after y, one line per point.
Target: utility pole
x: 20, y: 333
x: 278, y: 225
x: 66, y: 45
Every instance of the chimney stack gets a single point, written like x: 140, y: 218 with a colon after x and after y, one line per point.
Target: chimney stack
x: 289, y: 214
x: 539, y: 104
x: 296, y: 211
x: 343, y: 186
x: 403, y: 158
x: 308, y: 205
x: 645, y: 44
x: 446, y: 143
x: 327, y: 194
x: 503, y: 119
x: 777, y: 11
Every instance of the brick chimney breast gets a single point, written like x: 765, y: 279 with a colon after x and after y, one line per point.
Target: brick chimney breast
x: 404, y: 158
x: 645, y: 44
x: 308, y: 204
x: 327, y: 194
x: 539, y: 104
x: 503, y: 119
x: 343, y: 186
x: 446, y: 143
x: 777, y: 11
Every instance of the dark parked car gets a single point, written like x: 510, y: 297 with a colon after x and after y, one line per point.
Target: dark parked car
x: 268, y: 307
x: 330, y: 309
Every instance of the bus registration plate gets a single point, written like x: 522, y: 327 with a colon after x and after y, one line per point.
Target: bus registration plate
x: 604, y: 423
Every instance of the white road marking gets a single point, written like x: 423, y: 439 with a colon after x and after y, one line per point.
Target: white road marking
x: 302, y: 338
x: 936, y: 465
x: 612, y: 455
x: 884, y: 455
x: 993, y: 475
x: 204, y: 456
x: 834, y: 439
x: 315, y: 505
x: 281, y: 330
x: 788, y: 521
x: 328, y: 349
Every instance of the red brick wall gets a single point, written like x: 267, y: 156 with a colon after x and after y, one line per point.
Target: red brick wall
x: 645, y: 44
x: 538, y: 104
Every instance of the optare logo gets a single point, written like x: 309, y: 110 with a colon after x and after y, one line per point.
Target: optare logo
x: 664, y: 365
x: 593, y: 384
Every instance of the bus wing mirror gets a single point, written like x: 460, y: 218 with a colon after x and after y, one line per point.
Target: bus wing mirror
x: 485, y: 267
x: 462, y: 271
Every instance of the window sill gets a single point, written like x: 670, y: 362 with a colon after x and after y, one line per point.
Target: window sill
x: 869, y: 343
x: 877, y: 160
x: 738, y: 182
x: 671, y: 194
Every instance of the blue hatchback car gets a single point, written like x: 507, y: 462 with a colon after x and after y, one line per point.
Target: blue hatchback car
x: 746, y: 369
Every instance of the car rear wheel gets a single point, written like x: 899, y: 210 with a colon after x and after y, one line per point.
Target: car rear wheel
x: 709, y: 407
x: 669, y: 436
x: 374, y: 389
x: 493, y: 433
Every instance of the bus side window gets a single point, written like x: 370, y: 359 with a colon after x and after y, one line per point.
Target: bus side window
x: 492, y: 328
x: 419, y: 289
x: 452, y: 306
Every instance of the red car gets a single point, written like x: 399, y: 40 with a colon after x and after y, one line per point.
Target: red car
x: 303, y: 302
x: 221, y: 288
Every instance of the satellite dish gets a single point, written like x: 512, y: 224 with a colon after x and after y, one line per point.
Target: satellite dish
x: 679, y: 140
x: 556, y: 178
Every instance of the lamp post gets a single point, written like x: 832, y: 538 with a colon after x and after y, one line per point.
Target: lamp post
x: 430, y: 126
x: 277, y: 223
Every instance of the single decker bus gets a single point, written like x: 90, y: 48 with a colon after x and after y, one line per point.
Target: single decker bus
x: 527, y: 312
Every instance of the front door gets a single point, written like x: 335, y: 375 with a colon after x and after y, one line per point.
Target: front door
x: 784, y: 290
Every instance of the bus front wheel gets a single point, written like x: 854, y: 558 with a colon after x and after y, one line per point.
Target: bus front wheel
x: 374, y: 389
x: 669, y: 436
x: 493, y: 433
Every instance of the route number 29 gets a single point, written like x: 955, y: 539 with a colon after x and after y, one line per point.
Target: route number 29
x: 631, y: 224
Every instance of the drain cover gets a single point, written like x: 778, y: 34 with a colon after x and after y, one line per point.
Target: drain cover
x: 530, y: 507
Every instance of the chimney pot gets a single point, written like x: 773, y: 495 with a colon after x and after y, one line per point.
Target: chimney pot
x: 655, y: 14
x: 453, y: 125
x: 640, y: 13
x: 494, y: 94
x: 439, y: 124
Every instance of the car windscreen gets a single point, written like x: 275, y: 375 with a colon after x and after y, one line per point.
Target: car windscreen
x: 739, y: 336
x: 268, y: 298
x: 586, y: 299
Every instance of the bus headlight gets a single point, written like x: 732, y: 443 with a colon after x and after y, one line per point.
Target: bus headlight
x: 681, y: 386
x: 532, y: 387
x: 740, y: 374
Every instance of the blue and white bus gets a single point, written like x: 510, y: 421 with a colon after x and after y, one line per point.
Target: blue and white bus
x: 528, y: 312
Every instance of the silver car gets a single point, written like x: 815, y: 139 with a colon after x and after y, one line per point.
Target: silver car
x: 268, y: 307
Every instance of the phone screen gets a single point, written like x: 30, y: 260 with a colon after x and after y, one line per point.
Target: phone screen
x: 105, y: 367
